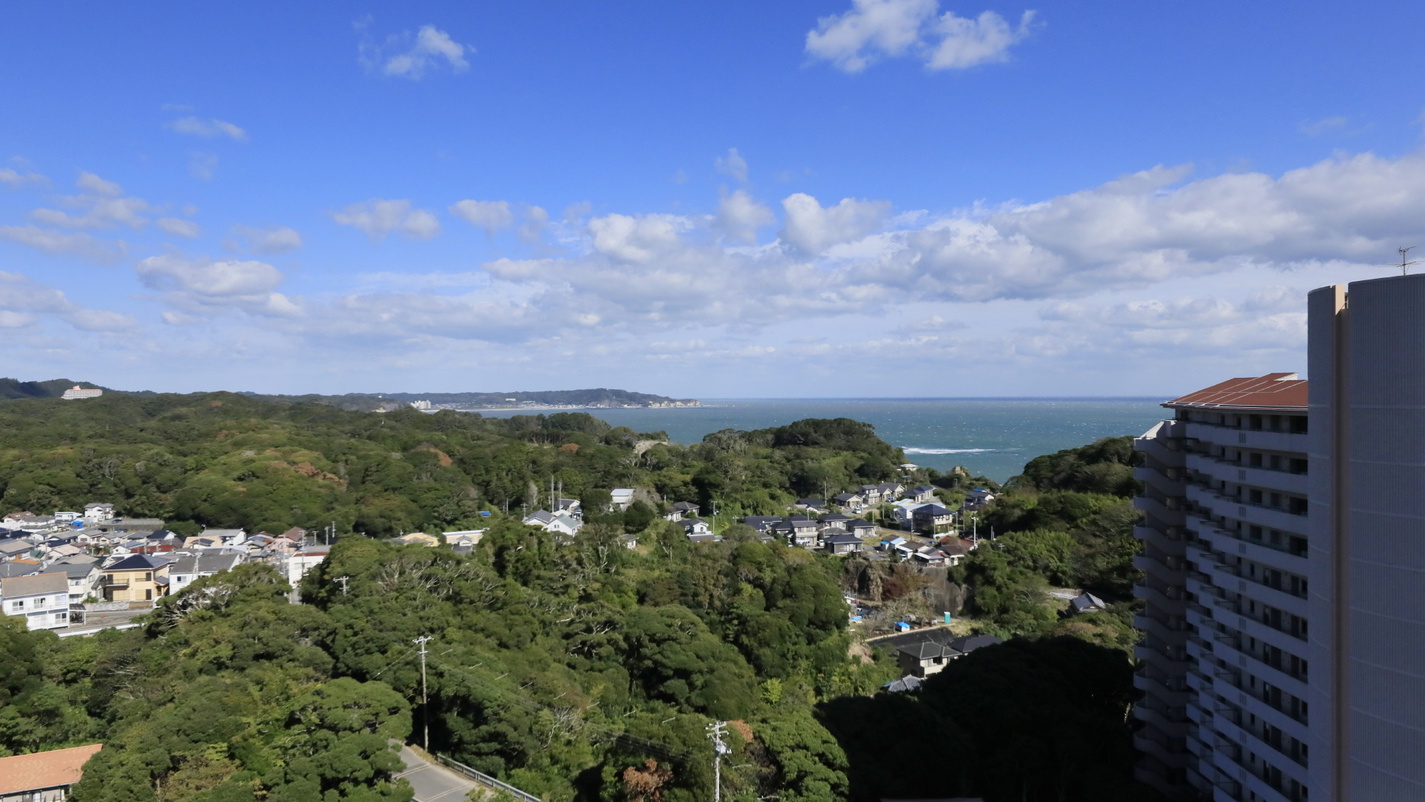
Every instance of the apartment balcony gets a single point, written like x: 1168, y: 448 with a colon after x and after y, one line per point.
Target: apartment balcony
x: 1168, y: 481
x: 1169, y: 540
x: 1271, y: 556
x: 1158, y: 512
x: 1173, y: 638
x: 1223, y: 507
x: 1155, y: 565
x: 1240, y: 474
x: 1280, y: 599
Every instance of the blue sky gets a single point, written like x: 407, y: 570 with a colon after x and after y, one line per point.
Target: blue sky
x: 732, y: 199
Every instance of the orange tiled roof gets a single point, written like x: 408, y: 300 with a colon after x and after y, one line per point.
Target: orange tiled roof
x: 52, y: 769
x: 1274, y: 390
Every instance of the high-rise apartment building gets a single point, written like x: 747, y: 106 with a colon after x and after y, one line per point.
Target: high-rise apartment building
x: 1283, y: 655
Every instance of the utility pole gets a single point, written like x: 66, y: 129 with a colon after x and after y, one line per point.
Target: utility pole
x: 974, y: 531
x: 343, y: 580
x: 425, y: 708
x: 716, y: 731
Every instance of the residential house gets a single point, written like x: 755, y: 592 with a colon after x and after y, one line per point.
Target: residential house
x: 1086, y: 603
x: 932, y: 518
x: 839, y: 541
x: 98, y: 512
x: 812, y: 506
x: 861, y: 528
x: 564, y: 524
x: 19, y: 568
x: 762, y: 523
x: 189, y: 568
x: 682, y: 510
x: 921, y: 494
x: 890, y: 491
x: 620, y: 498
x: 83, y: 575
x: 955, y: 549
x: 969, y: 643
x: 304, y: 560
x: 30, y: 524
x: 903, y: 513
x: 855, y: 503
x: 418, y: 539
x: 696, y: 526
x: 43, y: 776
x: 569, y: 506
x: 136, y: 578
x: 930, y: 555
x: 41, y: 599
x: 926, y: 657
x: 977, y: 499
x: 15, y: 549
x: 803, y: 532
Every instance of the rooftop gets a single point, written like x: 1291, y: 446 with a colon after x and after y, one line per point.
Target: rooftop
x: 53, y: 769
x: 1272, y: 391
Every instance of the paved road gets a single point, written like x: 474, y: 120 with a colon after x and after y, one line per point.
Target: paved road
x: 433, y: 782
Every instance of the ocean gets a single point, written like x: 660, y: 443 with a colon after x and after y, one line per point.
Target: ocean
x: 989, y: 437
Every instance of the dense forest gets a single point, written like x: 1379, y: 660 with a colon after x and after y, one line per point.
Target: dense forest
x: 574, y: 669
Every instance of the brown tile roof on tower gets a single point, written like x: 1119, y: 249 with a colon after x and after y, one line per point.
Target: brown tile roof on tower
x: 1274, y: 390
x: 56, y: 768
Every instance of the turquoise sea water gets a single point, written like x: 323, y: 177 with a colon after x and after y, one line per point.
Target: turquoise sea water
x: 989, y: 437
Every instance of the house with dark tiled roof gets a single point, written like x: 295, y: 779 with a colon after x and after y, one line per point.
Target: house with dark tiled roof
x: 839, y: 541
x: 136, y: 578
x: 43, y: 776
x: 681, y: 510
x: 932, y: 518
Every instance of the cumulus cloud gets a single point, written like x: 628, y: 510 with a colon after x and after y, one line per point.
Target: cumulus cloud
x: 535, y: 219
x: 58, y: 242
x: 739, y: 216
x: 378, y: 217
x: 177, y: 227
x: 22, y: 299
x: 732, y: 164
x: 98, y: 186
x: 412, y: 57
x: 812, y: 228
x: 877, y: 29
x: 279, y: 239
x: 489, y: 215
x: 635, y: 240
x: 203, y: 166
x: 209, y: 128
x: 11, y: 177
x: 202, y: 284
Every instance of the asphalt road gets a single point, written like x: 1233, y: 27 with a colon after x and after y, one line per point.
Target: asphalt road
x: 433, y: 782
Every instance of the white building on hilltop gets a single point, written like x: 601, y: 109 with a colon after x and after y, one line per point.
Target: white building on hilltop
x: 76, y: 392
x: 1283, y: 652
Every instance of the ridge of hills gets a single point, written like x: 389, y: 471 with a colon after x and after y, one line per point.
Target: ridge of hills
x: 15, y: 389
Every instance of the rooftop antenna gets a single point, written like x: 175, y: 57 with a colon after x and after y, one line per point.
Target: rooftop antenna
x: 1404, y: 265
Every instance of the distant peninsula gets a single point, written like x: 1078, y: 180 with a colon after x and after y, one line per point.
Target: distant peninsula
x: 535, y: 401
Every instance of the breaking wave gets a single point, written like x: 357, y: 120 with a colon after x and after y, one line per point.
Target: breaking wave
x: 913, y: 450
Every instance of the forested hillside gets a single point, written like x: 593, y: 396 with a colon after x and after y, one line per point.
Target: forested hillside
x: 229, y: 460
x: 576, y: 669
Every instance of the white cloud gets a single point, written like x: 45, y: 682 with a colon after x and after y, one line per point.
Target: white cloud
x: 209, y: 128
x: 81, y: 245
x: 279, y: 239
x: 16, y: 179
x: 98, y: 186
x: 965, y: 43
x: 203, y: 285
x: 636, y: 240
x: 378, y: 217
x: 177, y: 227
x: 877, y: 29
x: 732, y: 164
x: 489, y: 215
x: 535, y: 219
x: 404, y: 56
x: 812, y: 228
x: 739, y: 216
x: 22, y: 299
x: 101, y: 213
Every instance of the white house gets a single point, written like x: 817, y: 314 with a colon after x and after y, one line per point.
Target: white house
x: 98, y: 512
x: 42, y: 599
x: 620, y: 498
x: 187, y: 569
x: 303, y: 561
